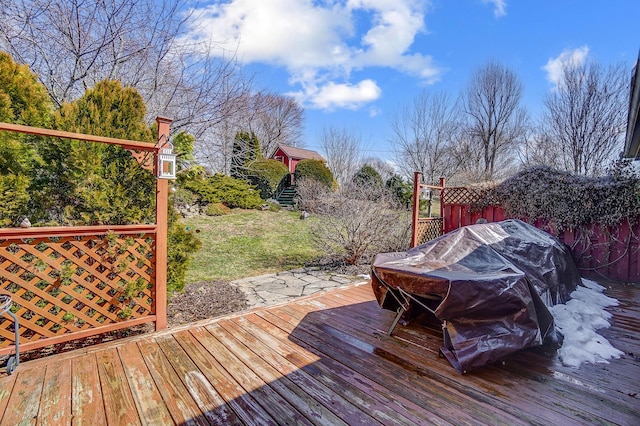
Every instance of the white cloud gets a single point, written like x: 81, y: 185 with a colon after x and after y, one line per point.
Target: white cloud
x: 374, y: 111
x: 570, y: 57
x: 339, y: 95
x: 320, y: 42
x: 499, y: 7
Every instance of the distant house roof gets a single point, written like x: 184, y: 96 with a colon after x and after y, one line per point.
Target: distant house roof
x: 300, y: 153
x: 632, y: 142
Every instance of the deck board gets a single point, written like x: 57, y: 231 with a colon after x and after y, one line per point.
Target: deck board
x: 55, y: 406
x: 322, y: 360
x: 115, y: 389
x: 87, y: 406
x: 149, y: 405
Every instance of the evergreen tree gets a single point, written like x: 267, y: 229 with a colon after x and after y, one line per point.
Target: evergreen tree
x: 402, y: 190
x: 246, y: 149
x: 92, y: 183
x: 368, y: 176
x: 23, y: 100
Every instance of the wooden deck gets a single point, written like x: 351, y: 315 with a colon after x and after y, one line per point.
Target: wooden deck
x: 321, y: 360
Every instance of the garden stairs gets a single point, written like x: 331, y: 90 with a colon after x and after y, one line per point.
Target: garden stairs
x: 287, y: 196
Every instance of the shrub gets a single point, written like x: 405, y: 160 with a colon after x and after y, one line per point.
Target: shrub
x: 402, y: 190
x: 181, y: 244
x: 311, y: 194
x: 358, y: 222
x: 266, y: 175
x: 231, y: 192
x: 217, y: 209
x: 314, y: 169
x: 565, y: 200
x: 368, y: 176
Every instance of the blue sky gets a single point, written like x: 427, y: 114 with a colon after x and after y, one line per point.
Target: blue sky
x: 353, y: 63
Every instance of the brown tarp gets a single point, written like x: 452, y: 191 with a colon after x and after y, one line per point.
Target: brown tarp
x: 489, y: 284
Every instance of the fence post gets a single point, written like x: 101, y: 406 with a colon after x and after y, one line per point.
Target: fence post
x: 443, y: 183
x: 162, y: 209
x: 417, y: 179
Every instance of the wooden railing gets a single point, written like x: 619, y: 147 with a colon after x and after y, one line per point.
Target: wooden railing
x: 73, y: 282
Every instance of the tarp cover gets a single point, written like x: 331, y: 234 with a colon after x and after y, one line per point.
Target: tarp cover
x: 494, y: 283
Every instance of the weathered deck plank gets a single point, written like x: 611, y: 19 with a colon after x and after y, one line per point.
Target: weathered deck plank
x: 87, y: 406
x: 149, y: 404
x: 175, y: 395
x: 55, y: 405
x: 115, y: 389
x: 23, y: 404
x: 242, y: 403
x: 324, y: 359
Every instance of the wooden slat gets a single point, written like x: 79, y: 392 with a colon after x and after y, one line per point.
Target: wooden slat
x: 301, y: 398
x: 209, y: 400
x: 87, y: 406
x: 55, y: 403
x: 6, y: 389
x: 149, y: 403
x: 272, y: 402
x: 120, y: 407
x: 175, y: 395
x: 346, y: 362
x: 127, y: 144
x: 22, y: 407
x: 368, y: 395
x: 242, y: 403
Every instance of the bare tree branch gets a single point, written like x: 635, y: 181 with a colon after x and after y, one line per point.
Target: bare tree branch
x: 343, y: 151
x: 496, y: 121
x: 423, y: 135
x: 585, y: 117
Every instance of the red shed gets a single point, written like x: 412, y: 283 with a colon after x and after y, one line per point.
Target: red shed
x: 290, y: 156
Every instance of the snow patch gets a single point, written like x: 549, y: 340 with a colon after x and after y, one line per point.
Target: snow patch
x: 578, y: 320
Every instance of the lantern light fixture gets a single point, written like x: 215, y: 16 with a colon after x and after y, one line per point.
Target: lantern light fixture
x: 166, y: 160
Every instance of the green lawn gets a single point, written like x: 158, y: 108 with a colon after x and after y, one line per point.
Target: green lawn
x: 249, y: 242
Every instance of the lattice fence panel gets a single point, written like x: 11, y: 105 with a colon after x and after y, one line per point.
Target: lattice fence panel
x: 63, y: 285
x: 460, y: 195
x: 428, y: 229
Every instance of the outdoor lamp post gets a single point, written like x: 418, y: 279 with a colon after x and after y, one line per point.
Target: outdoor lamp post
x: 166, y: 161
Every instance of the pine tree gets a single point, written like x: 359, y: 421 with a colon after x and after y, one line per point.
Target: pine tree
x: 23, y: 100
x: 246, y: 149
x: 92, y: 183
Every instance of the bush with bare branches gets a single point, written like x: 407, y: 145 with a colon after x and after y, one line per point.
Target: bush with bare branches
x: 356, y: 222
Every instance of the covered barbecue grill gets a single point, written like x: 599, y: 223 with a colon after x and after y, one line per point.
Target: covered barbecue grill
x: 490, y: 285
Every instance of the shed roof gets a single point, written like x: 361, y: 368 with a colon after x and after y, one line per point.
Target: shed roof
x: 300, y: 153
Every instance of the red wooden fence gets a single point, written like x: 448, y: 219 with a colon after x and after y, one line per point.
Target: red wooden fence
x: 611, y: 252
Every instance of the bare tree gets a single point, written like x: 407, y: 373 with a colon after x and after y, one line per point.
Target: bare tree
x: 275, y: 119
x: 496, y: 122
x: 343, y: 150
x: 539, y: 149
x: 585, y: 117
x: 73, y: 44
x: 423, y: 133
